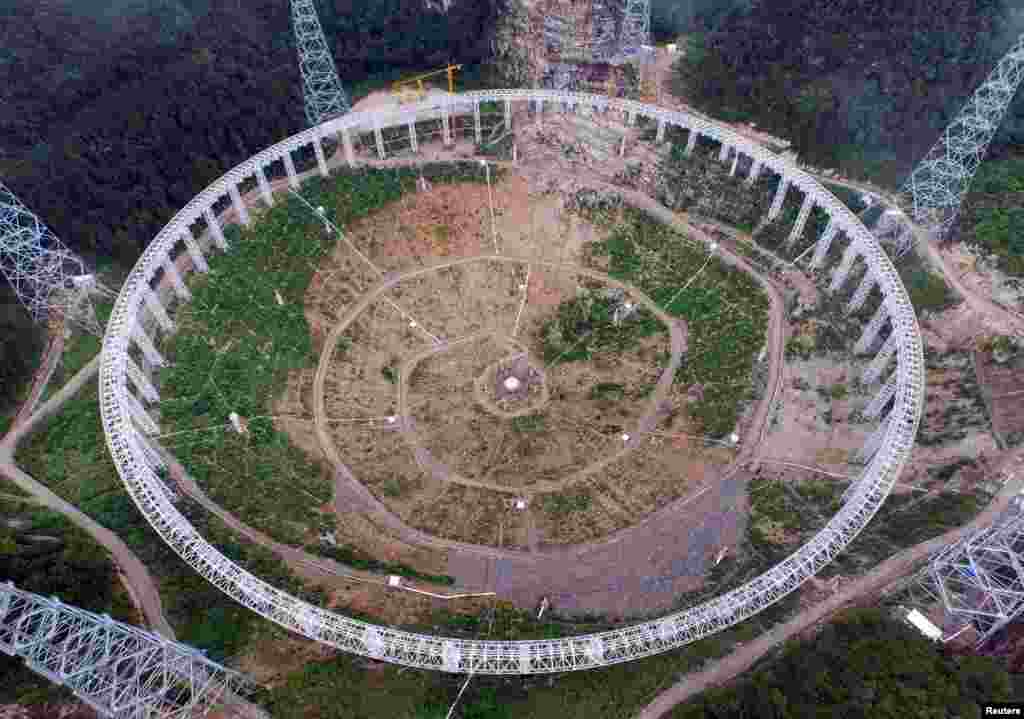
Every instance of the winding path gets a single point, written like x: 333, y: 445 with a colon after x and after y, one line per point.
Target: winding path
x: 139, y: 581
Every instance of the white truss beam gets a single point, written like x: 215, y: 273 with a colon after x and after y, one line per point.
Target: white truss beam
x: 47, y: 278
x: 871, y: 330
x: 119, y: 670
x: 881, y: 398
x: 936, y: 187
x: 321, y: 89
x: 980, y: 580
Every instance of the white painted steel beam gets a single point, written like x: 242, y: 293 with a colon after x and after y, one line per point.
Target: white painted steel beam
x: 871, y: 330
x: 239, y: 205
x: 180, y: 288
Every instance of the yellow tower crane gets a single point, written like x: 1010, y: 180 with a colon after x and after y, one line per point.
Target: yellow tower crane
x: 412, y: 89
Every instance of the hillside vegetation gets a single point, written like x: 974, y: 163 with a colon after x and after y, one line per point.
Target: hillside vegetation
x: 863, y: 84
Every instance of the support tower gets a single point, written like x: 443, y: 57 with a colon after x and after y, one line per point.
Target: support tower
x: 117, y: 669
x: 935, y: 189
x: 46, y: 276
x: 979, y: 581
x: 321, y: 88
x: 636, y: 26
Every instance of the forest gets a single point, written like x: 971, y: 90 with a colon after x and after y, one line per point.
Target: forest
x: 865, y: 85
x: 864, y: 664
x: 114, y: 115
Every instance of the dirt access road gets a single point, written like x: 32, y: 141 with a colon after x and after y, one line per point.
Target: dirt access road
x: 140, y: 583
x: 886, y: 573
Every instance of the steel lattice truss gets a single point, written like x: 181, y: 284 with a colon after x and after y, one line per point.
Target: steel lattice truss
x: 636, y: 26
x: 321, y: 88
x: 600, y: 42
x: 936, y: 187
x: 119, y: 670
x: 139, y: 317
x: 46, y: 276
x: 980, y: 580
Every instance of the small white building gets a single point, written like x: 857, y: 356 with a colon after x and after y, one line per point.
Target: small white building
x: 923, y: 624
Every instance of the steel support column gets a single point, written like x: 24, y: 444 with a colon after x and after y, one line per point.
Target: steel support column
x: 156, y: 308
x: 321, y: 161
x: 142, y: 382
x: 478, y: 130
x: 863, y: 291
x: 871, y: 330
x: 147, y: 347
x: 412, y: 137
x: 346, y: 142
x: 265, y: 192
x: 841, y: 272
x: 238, y: 204
x: 691, y: 142
x: 215, y: 229
x: 378, y: 136
x: 194, y: 253
x: 801, y: 220
x: 780, y: 197
x: 180, y: 288
x: 755, y: 172
x: 289, y: 168
x: 821, y: 248
x: 881, y: 360
x: 881, y: 398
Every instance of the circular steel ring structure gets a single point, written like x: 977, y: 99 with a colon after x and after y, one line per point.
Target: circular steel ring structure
x: 137, y: 466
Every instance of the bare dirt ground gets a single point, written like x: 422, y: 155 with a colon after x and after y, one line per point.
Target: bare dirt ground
x: 459, y: 442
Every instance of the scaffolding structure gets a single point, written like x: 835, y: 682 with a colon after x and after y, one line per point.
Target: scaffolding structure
x: 597, y: 31
x: 47, y: 277
x: 935, y: 189
x: 322, y: 92
x: 980, y: 580
x: 117, y: 669
x: 636, y: 26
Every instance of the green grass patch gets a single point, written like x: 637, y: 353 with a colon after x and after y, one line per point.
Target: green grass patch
x: 725, y: 311
x: 528, y: 423
x: 564, y: 504
x: 608, y: 391
x: 355, y: 558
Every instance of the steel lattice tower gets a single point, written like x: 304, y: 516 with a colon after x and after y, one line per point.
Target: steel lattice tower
x: 119, y: 670
x: 980, y: 580
x: 46, y: 276
x: 936, y: 187
x: 636, y: 25
x: 321, y: 88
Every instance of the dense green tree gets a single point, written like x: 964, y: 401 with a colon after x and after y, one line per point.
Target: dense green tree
x: 864, y: 665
